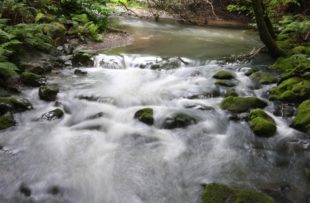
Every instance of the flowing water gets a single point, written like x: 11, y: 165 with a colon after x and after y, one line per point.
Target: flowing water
x: 98, y: 153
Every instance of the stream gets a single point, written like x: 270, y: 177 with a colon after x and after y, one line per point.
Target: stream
x: 98, y: 153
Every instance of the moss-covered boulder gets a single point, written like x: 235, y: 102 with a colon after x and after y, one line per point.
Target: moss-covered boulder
x: 48, y: 92
x: 178, y: 120
x: 15, y: 104
x: 242, y: 104
x: 53, y: 115
x: 286, y: 64
x: 224, y: 75
x: 31, y: 79
x: 262, y: 124
x: 7, y: 121
x: 219, y: 193
x: 251, y: 71
x: 231, y: 92
x: 264, y: 78
x: 168, y: 63
x: 82, y: 58
x: 294, y: 89
x: 145, y: 116
x: 302, y: 119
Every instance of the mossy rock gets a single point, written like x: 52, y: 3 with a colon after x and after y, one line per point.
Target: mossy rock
x: 262, y: 124
x: 178, y: 120
x: 251, y: 71
x: 226, y: 83
x: 302, y: 119
x: 287, y: 64
x: 31, y: 79
x: 145, y: 116
x: 231, y: 92
x: 82, y: 58
x: 7, y: 121
x: 264, y: 78
x: 16, y: 104
x: 224, y: 75
x: 242, y: 104
x: 48, y: 92
x: 292, y: 90
x: 53, y: 115
x: 219, y: 193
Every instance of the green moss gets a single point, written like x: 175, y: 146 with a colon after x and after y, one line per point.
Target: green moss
x: 264, y: 77
x: 224, y: 75
x: 145, y: 116
x: 48, y: 92
x: 32, y: 79
x: 83, y: 58
x: 219, y: 193
x: 225, y: 83
x: 231, y: 92
x: 6, y: 121
x: 242, y: 104
x: 294, y: 89
x: 288, y: 64
x: 301, y: 50
x: 17, y: 104
x: 251, y: 71
x: 262, y: 124
x: 302, y: 119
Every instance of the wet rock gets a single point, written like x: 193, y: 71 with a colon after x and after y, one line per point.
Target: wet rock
x: 302, y: 119
x: 82, y: 58
x: 279, y: 192
x: 262, y: 124
x: 25, y: 190
x: 54, y: 190
x: 80, y: 72
x: 48, y: 92
x: 200, y: 107
x: 224, y: 75
x: 242, y: 104
x: 170, y: 63
x: 15, y: 104
x: 7, y: 121
x: 31, y: 79
x: 145, y: 116
x: 179, y: 120
x: 39, y: 68
x: 219, y: 193
x: 4, y: 93
x: 95, y: 116
x: 291, y: 90
x: 53, y: 115
x: 226, y: 83
x: 284, y: 110
x: 264, y: 78
x: 307, y: 169
x: 99, y: 99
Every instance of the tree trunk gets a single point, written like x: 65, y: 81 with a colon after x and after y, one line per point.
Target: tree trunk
x: 266, y: 32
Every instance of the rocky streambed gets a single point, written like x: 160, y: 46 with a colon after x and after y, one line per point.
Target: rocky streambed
x: 165, y: 119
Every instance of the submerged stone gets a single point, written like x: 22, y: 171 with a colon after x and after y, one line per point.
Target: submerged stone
x: 302, y: 119
x: 15, y: 104
x: 179, y: 120
x: 242, y: 104
x: 80, y: 72
x: 53, y: 115
x: 48, y: 92
x: 25, y: 190
x: 219, y: 193
x: 7, y: 121
x: 145, y: 116
x: 31, y: 79
x: 262, y: 124
x: 224, y: 75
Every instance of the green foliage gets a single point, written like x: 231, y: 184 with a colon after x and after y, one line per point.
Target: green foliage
x: 7, y: 70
